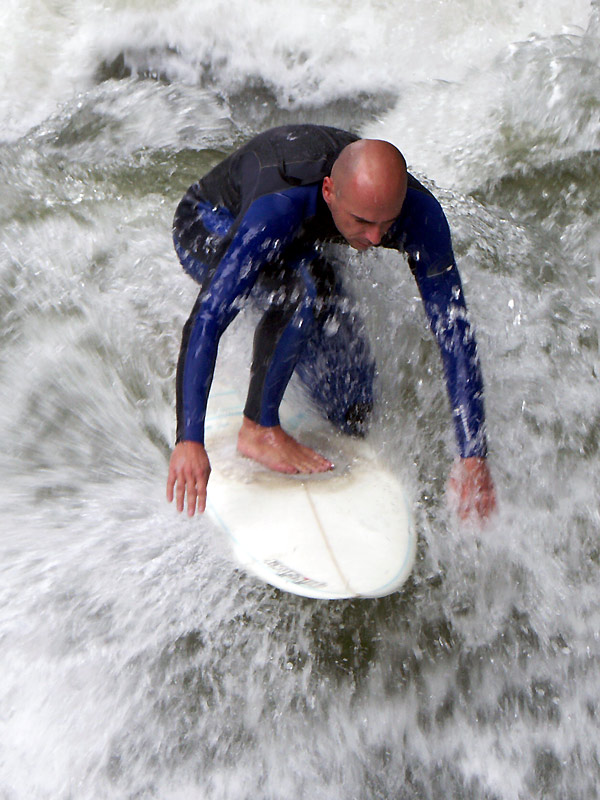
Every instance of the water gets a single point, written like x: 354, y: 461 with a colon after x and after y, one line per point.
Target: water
x: 136, y: 661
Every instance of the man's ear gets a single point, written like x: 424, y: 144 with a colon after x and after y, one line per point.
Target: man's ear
x: 328, y: 190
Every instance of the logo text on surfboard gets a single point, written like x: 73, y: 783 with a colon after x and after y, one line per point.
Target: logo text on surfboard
x: 291, y: 575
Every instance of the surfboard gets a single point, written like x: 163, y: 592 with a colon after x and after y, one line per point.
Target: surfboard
x: 341, y: 534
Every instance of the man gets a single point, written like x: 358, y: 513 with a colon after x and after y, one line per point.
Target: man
x: 254, y: 227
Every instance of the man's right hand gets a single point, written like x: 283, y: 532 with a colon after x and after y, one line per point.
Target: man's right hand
x: 189, y: 470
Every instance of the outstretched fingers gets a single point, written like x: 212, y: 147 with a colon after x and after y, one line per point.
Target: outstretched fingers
x: 189, y: 470
x: 471, y: 488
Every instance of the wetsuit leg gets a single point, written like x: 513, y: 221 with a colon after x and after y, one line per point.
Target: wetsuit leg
x: 337, y: 367
x: 311, y: 330
x: 292, y: 295
x: 199, y: 236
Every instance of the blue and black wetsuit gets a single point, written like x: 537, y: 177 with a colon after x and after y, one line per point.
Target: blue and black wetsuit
x: 254, y: 227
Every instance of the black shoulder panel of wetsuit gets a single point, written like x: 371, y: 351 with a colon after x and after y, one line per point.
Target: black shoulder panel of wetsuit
x: 275, y: 160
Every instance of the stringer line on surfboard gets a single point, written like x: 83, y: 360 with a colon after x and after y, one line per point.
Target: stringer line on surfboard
x: 326, y: 540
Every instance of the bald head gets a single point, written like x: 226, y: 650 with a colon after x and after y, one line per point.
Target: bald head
x: 371, y: 166
x: 366, y: 190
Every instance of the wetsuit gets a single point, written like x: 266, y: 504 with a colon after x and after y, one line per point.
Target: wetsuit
x: 254, y: 227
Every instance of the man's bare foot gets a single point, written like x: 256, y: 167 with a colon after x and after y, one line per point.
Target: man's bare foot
x: 277, y: 450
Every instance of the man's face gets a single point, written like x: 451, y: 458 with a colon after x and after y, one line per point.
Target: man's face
x: 362, y: 218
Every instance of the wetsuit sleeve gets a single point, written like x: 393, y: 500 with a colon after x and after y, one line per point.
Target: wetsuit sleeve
x: 423, y: 233
x: 266, y: 228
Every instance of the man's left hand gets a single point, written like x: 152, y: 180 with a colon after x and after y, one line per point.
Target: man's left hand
x: 471, y: 489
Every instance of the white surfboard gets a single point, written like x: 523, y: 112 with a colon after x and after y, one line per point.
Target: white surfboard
x: 345, y: 533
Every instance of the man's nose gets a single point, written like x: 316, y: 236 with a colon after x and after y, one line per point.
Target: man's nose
x: 374, y: 233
